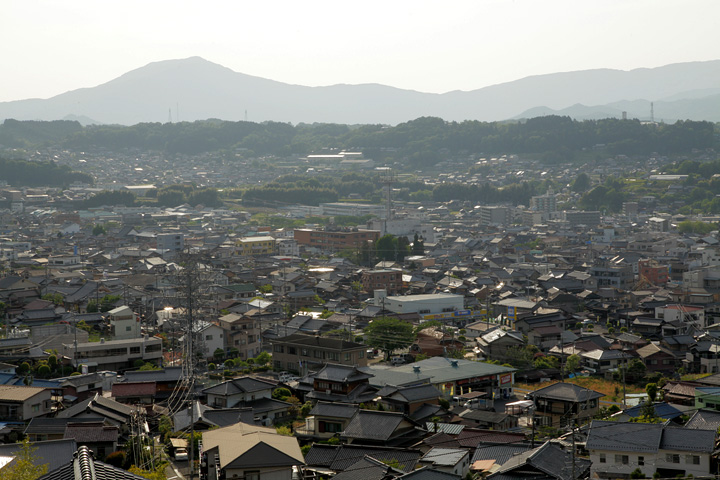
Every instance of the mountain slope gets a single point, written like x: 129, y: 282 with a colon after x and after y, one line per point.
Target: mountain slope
x: 200, y: 89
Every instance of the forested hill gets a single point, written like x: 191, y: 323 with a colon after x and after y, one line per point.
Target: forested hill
x: 419, y: 141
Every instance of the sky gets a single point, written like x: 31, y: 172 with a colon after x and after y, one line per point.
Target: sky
x: 48, y: 47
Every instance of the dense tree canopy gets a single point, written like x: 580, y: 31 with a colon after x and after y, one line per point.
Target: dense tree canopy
x: 389, y: 334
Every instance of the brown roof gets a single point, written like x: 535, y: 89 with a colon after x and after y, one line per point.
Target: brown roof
x: 91, y: 432
x: 134, y: 389
x: 19, y: 393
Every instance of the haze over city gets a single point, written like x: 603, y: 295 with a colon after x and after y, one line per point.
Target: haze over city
x: 419, y: 45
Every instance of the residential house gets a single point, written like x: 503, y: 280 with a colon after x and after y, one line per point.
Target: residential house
x: 337, y: 383
x: 238, y: 391
x: 658, y: 358
x: 556, y: 405
x: 326, y: 420
x: 372, y: 427
x: 449, y: 460
x: 407, y: 399
x: 249, y: 452
x: 497, y: 344
x: 100, y: 438
x: 19, y: 403
x: 548, y: 461
x: 618, y: 448
x: 115, y: 355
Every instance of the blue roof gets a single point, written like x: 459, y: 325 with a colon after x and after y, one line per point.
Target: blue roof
x: 662, y: 410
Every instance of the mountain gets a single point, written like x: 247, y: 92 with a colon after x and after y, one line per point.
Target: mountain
x: 196, y: 89
x: 692, y: 107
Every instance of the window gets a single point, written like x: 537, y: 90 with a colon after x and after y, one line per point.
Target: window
x: 603, y: 458
x: 36, y: 407
x: 134, y: 350
x: 317, y: 354
x: 692, y: 459
x: 323, y: 385
x: 208, y: 337
x: 361, y: 354
x: 305, y: 352
x: 622, y: 459
x: 347, y: 357
x: 672, y: 458
x: 252, y: 475
x: 333, y: 356
x: 127, y: 329
x: 641, y: 461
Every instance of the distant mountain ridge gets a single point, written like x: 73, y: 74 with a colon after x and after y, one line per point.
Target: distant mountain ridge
x: 196, y: 89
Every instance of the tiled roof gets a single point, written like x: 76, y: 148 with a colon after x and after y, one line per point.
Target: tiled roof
x: 630, y: 437
x: 331, y: 409
x: 567, y: 392
x: 134, y: 389
x: 91, y: 432
x: 688, y: 440
x: 373, y: 425
x: 340, y: 457
x: 704, y: 420
x: 85, y: 467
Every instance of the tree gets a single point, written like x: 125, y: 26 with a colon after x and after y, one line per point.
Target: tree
x: 652, y: 390
x: 219, y: 354
x: 386, y: 247
x: 99, y: 229
x: 281, y: 393
x: 389, y: 334
x: 24, y: 468
x: 572, y: 363
x: 581, y: 183
x: 262, y: 359
x: 418, y: 246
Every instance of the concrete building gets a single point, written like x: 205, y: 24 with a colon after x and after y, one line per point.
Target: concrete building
x: 495, y: 215
x: 124, y: 324
x: 170, y: 242
x: 424, y: 304
x: 582, y: 217
x: 253, y: 246
x: 115, y: 355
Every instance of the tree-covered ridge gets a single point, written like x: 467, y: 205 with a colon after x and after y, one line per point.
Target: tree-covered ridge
x: 27, y: 173
x: 422, y: 141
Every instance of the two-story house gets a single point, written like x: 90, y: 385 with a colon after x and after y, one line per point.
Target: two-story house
x: 249, y: 452
x: 617, y: 449
x: 326, y: 420
x: 558, y: 404
x: 337, y: 383
x: 238, y: 391
x: 19, y: 403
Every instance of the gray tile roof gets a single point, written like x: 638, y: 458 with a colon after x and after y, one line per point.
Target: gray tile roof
x: 337, y: 410
x: 410, y: 394
x: 85, y: 467
x: 239, y: 385
x: 704, y: 420
x: 366, y: 468
x: 547, y: 458
x: 340, y: 457
x: 446, y: 457
x: 54, y: 453
x: 427, y: 473
x: 688, y: 440
x: 499, y: 453
x: 566, y: 391
x: 373, y: 425
x: 621, y: 436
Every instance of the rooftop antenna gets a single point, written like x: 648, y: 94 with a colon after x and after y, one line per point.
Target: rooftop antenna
x: 388, y: 181
x: 652, y: 112
x: 169, y: 115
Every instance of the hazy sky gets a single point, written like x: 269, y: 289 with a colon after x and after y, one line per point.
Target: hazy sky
x: 52, y: 46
